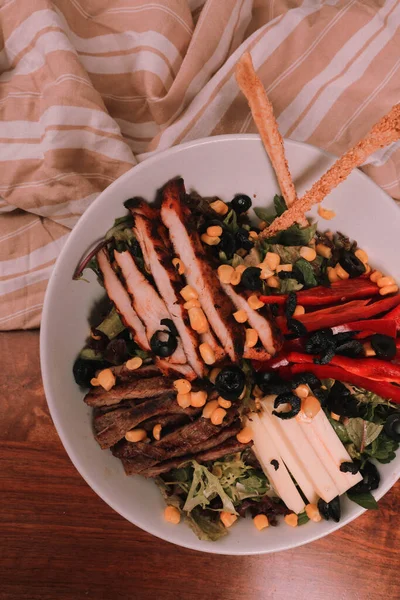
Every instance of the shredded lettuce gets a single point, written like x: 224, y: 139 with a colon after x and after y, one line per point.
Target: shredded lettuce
x: 205, y: 487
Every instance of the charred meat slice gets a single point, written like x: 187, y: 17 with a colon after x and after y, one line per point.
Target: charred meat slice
x: 199, y: 274
x: 130, y: 390
x: 176, y: 371
x: 122, y: 373
x: 146, y: 301
x: 151, y: 235
x: 120, y: 298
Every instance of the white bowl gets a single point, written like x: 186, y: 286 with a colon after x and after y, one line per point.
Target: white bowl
x: 222, y: 166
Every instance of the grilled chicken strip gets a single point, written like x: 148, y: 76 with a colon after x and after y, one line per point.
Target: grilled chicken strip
x: 120, y: 298
x: 217, y: 307
x: 176, y: 371
x: 146, y: 301
x: 153, y: 240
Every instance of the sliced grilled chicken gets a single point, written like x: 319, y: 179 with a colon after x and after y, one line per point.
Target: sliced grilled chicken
x: 257, y: 321
x: 176, y: 371
x: 146, y: 301
x: 217, y: 307
x: 152, y: 238
x: 119, y: 296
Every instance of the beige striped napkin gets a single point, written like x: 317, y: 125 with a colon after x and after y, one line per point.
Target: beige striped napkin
x: 90, y: 87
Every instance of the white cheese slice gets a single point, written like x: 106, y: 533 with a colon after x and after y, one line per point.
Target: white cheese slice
x: 290, y: 458
x: 299, y: 444
x: 266, y: 451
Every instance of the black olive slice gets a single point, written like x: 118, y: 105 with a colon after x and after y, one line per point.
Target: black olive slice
x: 230, y: 382
x: 350, y: 467
x: 351, y: 264
x: 171, y: 326
x: 243, y: 239
x: 392, y: 426
x: 241, y: 203
x: 287, y: 398
x: 384, y: 346
x: 370, y: 481
x: 251, y: 278
x: 85, y: 370
x: 163, y: 343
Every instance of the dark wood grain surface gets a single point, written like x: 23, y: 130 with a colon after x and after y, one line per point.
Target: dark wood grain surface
x: 60, y: 541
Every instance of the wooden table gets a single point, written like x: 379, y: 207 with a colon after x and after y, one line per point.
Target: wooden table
x: 59, y: 540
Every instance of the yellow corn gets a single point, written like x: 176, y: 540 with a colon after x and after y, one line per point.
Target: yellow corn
x: 302, y: 390
x: 236, y: 277
x: 312, y: 513
x: 323, y: 251
x: 188, y: 293
x: 214, y: 231
x: 179, y: 266
x: 262, y: 225
x: 134, y: 363
x: 340, y: 272
x: 291, y: 520
x: 266, y: 272
x: 311, y: 406
x: 184, y: 400
x: 193, y: 303
x: 136, y: 435
x: 106, y: 379
x: 257, y: 393
x: 240, y: 316
x: 210, y: 240
x: 245, y: 435
x: 299, y: 310
x: 261, y: 522
x: 225, y: 273
x: 198, y: 399
x: 94, y: 382
x: 368, y: 349
x: 384, y: 281
x: 218, y: 416
x: 253, y: 235
x: 182, y: 386
x: 172, y: 515
x: 388, y: 289
x: 209, y: 408
x: 227, y: 518
x: 240, y: 269
x: 375, y: 276
x: 362, y: 255
x: 207, y: 353
x: 224, y: 403
x: 157, y: 431
x: 308, y: 254
x: 287, y: 268
x: 332, y: 275
x: 198, y: 320
x: 251, y: 338
x: 273, y: 282
x: 272, y: 260
x: 219, y: 207
x: 325, y: 213
x: 254, y: 302
x: 213, y: 375
x: 335, y: 417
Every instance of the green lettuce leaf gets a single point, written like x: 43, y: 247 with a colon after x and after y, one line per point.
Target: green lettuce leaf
x: 206, y: 524
x: 264, y: 214
x: 365, y: 500
x: 307, y: 271
x: 287, y: 254
x: 383, y: 449
x: 204, y: 488
x: 340, y: 430
x: 358, y: 428
x: 231, y: 221
x: 290, y: 285
x: 280, y: 205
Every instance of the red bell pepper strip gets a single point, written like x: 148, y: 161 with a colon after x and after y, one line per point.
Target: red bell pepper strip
x: 369, y: 327
x: 381, y: 388
x: 371, y: 368
x: 344, y: 313
x: 339, y: 291
x: 394, y: 314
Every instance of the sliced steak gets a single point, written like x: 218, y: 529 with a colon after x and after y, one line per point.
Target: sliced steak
x: 145, y: 372
x: 231, y: 446
x: 120, y: 298
x: 129, y: 390
x: 176, y: 371
x: 199, y: 274
x: 146, y: 301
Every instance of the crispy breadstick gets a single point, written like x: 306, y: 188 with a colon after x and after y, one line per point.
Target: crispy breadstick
x: 263, y: 115
x: 383, y: 133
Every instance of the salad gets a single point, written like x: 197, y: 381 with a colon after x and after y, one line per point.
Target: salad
x: 249, y: 365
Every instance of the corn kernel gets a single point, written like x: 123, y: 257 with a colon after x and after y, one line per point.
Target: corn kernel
x: 106, y: 379
x: 218, y: 416
x: 367, y: 269
x: 198, y: 399
x: 384, y: 281
x: 362, y: 255
x: 253, y: 235
x: 210, y: 240
x: 240, y: 316
x: 240, y: 269
x: 266, y: 272
x: 209, y: 408
x: 261, y: 522
x: 225, y: 273
x: 224, y: 403
x: 245, y: 435
x: 299, y: 310
x: 214, y: 231
x: 335, y: 417
x: 179, y: 266
x: 375, y: 276
x: 254, y: 302
x: 94, y: 382
x: 236, y: 277
x: 198, y: 320
x: 213, y: 375
x: 312, y: 513
x: 311, y: 406
x: 262, y: 225
x: 134, y: 363
x: 332, y: 275
x: 286, y: 268
x: 340, y: 272
x: 251, y: 338
x: 193, y: 303
x: 136, y: 435
x: 368, y: 349
x: 207, y: 353
x: 184, y: 400
x: 157, y: 431
x: 308, y: 254
x: 188, y: 293
x: 302, y: 390
x: 219, y: 207
x: 227, y: 518
x: 291, y: 520
x: 388, y: 289
x: 182, y: 386
x: 323, y: 251
x: 172, y: 515
x: 273, y: 282
x: 325, y: 213
x: 272, y: 260
x: 257, y: 392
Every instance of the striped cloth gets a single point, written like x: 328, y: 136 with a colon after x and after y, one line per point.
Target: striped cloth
x: 90, y: 87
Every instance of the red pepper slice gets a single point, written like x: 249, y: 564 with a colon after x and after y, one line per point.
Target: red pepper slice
x: 369, y: 327
x: 394, y: 314
x: 344, y: 313
x: 339, y: 291
x: 383, y: 389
